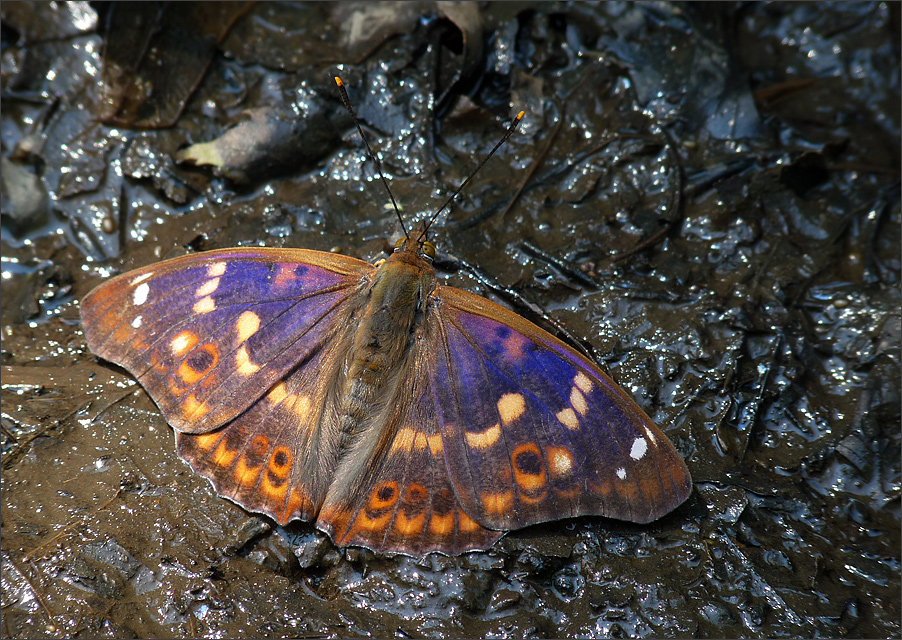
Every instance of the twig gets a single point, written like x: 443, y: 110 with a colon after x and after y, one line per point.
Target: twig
x: 53, y: 624
x: 535, y: 167
x: 69, y: 527
x: 20, y: 447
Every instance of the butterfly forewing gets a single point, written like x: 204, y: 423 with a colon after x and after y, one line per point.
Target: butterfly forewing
x: 208, y: 334
x: 533, y: 431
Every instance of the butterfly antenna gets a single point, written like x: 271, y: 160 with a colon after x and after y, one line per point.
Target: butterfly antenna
x: 347, y: 102
x: 508, y: 134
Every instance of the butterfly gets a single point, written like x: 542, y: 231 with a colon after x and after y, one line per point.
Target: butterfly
x: 394, y: 412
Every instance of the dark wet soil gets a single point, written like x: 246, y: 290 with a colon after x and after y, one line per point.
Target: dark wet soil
x: 705, y: 198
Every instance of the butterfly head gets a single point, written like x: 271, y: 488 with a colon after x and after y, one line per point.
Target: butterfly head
x: 416, y: 244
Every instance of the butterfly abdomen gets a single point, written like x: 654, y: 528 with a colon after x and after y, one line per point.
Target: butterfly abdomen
x: 382, y: 345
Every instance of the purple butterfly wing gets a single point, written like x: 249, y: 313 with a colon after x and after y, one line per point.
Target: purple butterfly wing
x: 532, y: 431
x: 209, y: 334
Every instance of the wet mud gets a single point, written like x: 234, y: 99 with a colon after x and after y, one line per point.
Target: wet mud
x: 703, y: 198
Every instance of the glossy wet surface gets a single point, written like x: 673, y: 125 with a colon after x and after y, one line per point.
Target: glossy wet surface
x: 752, y: 154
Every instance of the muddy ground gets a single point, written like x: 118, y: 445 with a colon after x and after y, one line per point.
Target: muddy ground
x: 704, y: 198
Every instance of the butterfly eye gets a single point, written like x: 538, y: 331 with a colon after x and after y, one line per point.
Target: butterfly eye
x: 400, y: 243
x: 429, y: 250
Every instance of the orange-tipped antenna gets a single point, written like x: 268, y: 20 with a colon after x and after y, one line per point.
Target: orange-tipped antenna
x: 508, y: 134
x: 347, y: 103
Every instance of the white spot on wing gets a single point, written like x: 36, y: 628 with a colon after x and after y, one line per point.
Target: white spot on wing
x: 301, y: 406
x: 247, y: 325
x: 560, y: 461
x: 205, y: 305
x: 207, y: 288
x: 216, y: 269
x: 136, y: 323
x: 650, y: 435
x: 621, y: 473
x: 141, y: 278
x: 140, y: 295
x: 243, y: 362
x: 640, y: 446
x: 485, y: 439
x: 583, y: 382
x: 510, y: 407
x: 568, y: 419
x: 278, y: 393
x: 181, y: 343
x: 578, y: 401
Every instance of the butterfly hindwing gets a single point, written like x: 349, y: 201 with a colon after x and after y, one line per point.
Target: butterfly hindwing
x: 273, y: 457
x: 533, y: 431
x: 210, y: 333
x: 394, y: 493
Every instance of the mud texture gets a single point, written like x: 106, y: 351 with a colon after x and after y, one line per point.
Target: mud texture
x: 705, y: 198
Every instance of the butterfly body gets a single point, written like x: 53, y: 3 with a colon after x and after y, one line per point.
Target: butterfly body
x: 390, y: 323
x: 393, y: 312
